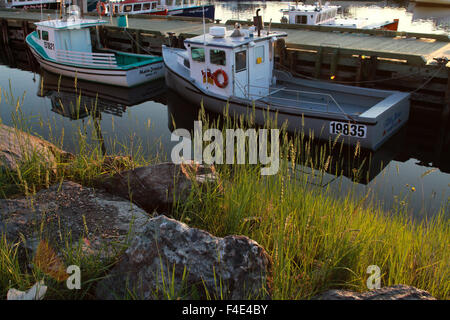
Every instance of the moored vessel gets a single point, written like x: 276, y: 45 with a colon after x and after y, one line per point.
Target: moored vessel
x: 234, y: 69
x: 64, y: 47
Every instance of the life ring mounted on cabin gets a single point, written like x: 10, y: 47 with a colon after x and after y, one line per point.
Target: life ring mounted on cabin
x: 225, y: 78
x: 101, y: 8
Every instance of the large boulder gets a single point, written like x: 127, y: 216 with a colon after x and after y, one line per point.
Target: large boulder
x: 155, y: 187
x: 17, y: 147
x: 100, y: 222
x: 398, y: 292
x: 195, y: 264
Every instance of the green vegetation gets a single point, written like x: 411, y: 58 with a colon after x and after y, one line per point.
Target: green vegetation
x: 316, y: 240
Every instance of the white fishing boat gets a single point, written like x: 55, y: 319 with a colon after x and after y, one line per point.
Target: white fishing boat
x: 130, y: 7
x: 64, y: 47
x: 235, y: 69
x: 326, y: 15
x: 184, y: 8
x: 32, y: 4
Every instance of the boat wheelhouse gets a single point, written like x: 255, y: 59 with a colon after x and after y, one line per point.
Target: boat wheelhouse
x: 65, y: 47
x: 326, y: 15
x: 234, y: 69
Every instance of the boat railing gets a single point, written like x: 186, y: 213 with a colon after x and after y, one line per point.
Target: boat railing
x: 87, y: 58
x: 323, y: 99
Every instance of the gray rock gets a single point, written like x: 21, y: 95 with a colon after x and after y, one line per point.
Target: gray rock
x: 17, y: 147
x: 234, y: 267
x: 101, y: 221
x: 154, y: 187
x: 397, y: 292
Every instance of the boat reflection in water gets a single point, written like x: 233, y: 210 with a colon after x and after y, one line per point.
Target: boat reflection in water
x: 77, y: 99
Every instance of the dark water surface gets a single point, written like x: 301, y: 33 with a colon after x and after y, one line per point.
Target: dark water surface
x: 142, y: 119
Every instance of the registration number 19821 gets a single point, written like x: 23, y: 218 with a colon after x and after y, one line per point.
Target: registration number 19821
x: 348, y: 129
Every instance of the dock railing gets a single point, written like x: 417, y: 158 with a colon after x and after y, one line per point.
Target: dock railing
x: 88, y: 59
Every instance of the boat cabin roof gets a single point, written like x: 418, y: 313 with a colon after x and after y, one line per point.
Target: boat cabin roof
x: 232, y: 42
x: 70, y: 24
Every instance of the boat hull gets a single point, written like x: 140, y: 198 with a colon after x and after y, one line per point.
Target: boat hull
x: 377, y: 132
x: 116, y: 77
x: 196, y: 11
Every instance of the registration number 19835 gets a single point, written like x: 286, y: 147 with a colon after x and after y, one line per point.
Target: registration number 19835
x: 348, y: 129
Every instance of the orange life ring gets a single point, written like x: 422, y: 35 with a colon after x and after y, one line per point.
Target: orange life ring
x: 225, y: 78
x: 101, y: 8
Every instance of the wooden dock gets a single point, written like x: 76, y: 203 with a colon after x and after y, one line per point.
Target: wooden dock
x: 411, y: 62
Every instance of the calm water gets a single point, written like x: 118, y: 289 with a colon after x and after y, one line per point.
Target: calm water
x: 145, y: 116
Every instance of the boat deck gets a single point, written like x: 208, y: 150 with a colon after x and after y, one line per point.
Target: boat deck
x: 312, y: 101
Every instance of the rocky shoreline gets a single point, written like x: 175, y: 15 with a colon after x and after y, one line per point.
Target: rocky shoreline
x: 124, y: 216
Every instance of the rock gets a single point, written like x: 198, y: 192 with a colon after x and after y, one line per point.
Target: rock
x: 166, y: 246
x: 397, y: 292
x: 94, y: 217
x: 17, y: 147
x: 36, y: 292
x: 155, y: 187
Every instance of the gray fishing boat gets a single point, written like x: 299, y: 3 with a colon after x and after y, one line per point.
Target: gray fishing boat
x: 236, y: 68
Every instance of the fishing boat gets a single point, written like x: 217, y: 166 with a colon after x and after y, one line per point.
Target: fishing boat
x: 184, y: 8
x: 326, y: 15
x: 131, y: 7
x: 32, y: 4
x: 64, y: 47
x: 188, y: 8
x: 234, y: 70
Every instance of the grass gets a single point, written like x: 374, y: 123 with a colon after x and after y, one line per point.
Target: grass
x: 316, y: 240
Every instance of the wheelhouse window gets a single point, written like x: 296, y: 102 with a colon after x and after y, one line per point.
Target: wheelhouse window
x: 45, y: 35
x: 185, y: 2
x: 137, y: 7
x: 241, y: 60
x: 153, y: 5
x: 146, y: 6
x: 39, y: 34
x: 127, y: 8
x: 177, y: 2
x: 198, y: 54
x: 301, y: 19
x: 259, y: 54
x: 217, y: 57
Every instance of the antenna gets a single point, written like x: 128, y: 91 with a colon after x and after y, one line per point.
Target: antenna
x: 204, y: 43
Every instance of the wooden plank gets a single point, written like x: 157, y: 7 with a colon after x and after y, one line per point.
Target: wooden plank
x: 412, y: 59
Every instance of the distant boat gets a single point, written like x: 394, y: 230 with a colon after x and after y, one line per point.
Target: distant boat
x: 185, y: 8
x: 32, y: 4
x: 235, y: 70
x: 131, y: 7
x: 64, y: 47
x: 326, y: 15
